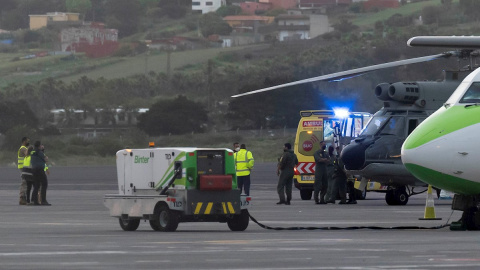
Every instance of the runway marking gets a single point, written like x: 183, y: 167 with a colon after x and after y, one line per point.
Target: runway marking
x: 49, y: 253
x: 456, y: 260
x: 159, y: 261
x: 224, y: 260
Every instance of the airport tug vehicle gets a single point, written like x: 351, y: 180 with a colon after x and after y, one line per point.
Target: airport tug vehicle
x: 170, y: 185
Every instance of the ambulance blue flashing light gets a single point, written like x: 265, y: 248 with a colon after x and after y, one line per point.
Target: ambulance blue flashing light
x: 341, y: 112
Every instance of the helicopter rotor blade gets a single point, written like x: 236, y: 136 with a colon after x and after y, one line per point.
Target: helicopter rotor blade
x: 339, y: 76
x: 458, y: 42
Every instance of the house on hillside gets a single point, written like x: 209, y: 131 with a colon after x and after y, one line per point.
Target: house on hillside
x: 253, y: 8
x: 94, y: 40
x: 246, y: 29
x: 54, y: 18
x: 246, y: 24
x: 6, y: 37
x: 206, y: 6
x: 291, y: 27
x: 281, y: 4
x: 381, y: 4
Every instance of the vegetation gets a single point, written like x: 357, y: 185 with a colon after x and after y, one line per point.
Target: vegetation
x: 203, y: 80
x: 178, y: 116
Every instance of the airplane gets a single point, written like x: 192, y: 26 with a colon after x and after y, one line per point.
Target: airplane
x: 376, y: 153
x: 444, y: 150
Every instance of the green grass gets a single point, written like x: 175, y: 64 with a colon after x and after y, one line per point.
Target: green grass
x: 367, y: 19
x: 265, y: 148
x: 34, y: 70
x: 142, y: 64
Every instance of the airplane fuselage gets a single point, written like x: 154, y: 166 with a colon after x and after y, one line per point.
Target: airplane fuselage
x: 444, y: 150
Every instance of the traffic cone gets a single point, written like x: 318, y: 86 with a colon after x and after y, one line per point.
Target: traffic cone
x: 429, y: 207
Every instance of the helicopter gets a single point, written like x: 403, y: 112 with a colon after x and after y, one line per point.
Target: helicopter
x: 376, y: 153
x: 444, y: 151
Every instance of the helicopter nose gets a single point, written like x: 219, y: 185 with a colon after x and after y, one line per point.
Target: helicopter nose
x: 353, y: 156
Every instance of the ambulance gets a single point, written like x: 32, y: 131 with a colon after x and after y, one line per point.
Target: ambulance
x: 335, y: 127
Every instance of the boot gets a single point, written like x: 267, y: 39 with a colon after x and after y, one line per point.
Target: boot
x: 23, y: 201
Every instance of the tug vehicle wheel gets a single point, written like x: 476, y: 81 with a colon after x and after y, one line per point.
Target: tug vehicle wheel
x: 306, y: 194
x: 165, y: 220
x: 239, y: 222
x: 129, y: 224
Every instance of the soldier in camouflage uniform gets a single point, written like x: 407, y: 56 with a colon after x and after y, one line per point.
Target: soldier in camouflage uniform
x: 285, y: 171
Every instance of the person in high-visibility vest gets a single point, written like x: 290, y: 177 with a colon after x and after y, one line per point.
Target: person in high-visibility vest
x: 244, y: 164
x: 27, y: 172
x: 21, y: 154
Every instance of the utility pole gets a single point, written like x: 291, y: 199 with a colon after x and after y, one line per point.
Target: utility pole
x: 209, y: 82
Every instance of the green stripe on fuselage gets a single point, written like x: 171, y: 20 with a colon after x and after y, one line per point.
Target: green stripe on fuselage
x: 435, y: 126
x: 444, y: 181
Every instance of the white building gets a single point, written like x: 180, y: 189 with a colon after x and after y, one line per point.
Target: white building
x: 206, y: 6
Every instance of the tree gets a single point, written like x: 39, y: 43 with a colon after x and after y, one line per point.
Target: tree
x: 431, y: 14
x: 16, y: 113
x: 79, y: 6
x: 211, y: 23
x: 123, y: 15
x: 228, y: 10
x: 178, y: 116
x: 470, y: 7
x: 344, y: 26
x: 175, y: 11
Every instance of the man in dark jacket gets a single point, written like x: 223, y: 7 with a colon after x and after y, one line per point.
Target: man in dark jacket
x: 285, y: 170
x: 321, y: 178
x: 340, y: 177
x: 38, y: 162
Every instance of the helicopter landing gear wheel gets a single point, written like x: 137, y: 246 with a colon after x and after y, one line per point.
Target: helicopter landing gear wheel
x: 401, y: 196
x: 397, y: 196
x: 469, y: 220
x: 390, y: 197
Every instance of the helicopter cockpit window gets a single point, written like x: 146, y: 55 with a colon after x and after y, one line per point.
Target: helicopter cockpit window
x: 394, y: 126
x: 472, y: 95
x: 374, y: 125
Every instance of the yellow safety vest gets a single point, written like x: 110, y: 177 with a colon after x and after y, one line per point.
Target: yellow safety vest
x: 27, y: 161
x: 243, y: 162
x: 20, y: 158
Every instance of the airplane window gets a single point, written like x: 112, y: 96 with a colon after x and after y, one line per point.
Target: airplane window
x: 374, y: 125
x: 472, y: 95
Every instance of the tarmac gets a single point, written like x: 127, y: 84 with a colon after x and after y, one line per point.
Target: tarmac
x: 76, y: 232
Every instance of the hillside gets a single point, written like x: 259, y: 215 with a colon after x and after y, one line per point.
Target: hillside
x: 70, y: 69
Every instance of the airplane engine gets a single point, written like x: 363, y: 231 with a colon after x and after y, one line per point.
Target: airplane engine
x: 381, y: 91
x: 406, y: 92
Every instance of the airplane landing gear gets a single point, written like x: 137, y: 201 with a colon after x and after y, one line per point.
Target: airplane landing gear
x: 397, y: 196
x: 470, y: 219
